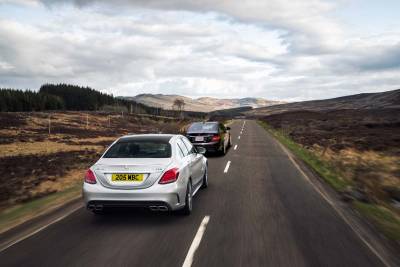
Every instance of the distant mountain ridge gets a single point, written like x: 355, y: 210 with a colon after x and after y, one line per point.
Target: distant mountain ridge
x: 204, y: 104
x: 381, y: 100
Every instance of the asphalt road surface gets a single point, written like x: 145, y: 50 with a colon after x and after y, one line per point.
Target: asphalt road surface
x: 260, y: 211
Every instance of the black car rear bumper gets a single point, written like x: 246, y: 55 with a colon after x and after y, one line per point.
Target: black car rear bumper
x: 210, y: 147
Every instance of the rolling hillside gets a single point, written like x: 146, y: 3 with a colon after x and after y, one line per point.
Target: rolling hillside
x: 383, y: 100
x: 205, y: 104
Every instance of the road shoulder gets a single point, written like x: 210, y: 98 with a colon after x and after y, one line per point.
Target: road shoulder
x: 38, y: 223
x: 383, y: 248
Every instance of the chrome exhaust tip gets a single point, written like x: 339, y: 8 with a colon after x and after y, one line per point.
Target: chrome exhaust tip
x: 163, y: 208
x: 153, y: 208
x: 158, y: 208
x: 98, y: 207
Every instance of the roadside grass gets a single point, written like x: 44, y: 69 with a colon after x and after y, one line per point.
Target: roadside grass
x: 86, y: 133
x: 326, y: 171
x: 387, y: 221
x: 20, y: 213
x: 228, y: 122
x: 384, y: 219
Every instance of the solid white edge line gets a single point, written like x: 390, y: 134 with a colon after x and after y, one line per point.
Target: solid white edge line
x: 227, y: 166
x: 40, y: 229
x: 332, y: 204
x: 235, y: 147
x: 196, y: 242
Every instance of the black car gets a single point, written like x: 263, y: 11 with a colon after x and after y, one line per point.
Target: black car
x: 211, y: 135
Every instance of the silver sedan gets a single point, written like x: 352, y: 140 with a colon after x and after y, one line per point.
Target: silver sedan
x: 158, y: 171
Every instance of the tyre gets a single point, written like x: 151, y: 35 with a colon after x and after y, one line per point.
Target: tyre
x: 205, y: 179
x: 223, y: 150
x: 188, y: 200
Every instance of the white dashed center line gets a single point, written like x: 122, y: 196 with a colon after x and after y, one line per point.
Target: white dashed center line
x: 196, y: 242
x: 239, y: 137
x: 235, y: 147
x: 227, y: 166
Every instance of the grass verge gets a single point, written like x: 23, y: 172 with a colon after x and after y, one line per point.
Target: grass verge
x: 20, y: 213
x: 321, y: 167
x: 384, y: 219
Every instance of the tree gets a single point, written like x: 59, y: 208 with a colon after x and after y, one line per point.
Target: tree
x: 179, y: 104
x: 17, y: 100
x: 62, y: 96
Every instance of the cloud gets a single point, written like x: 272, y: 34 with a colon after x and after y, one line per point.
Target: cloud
x: 307, y: 27
x: 376, y: 58
x: 276, y: 49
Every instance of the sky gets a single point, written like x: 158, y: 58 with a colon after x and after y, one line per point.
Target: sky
x: 275, y: 49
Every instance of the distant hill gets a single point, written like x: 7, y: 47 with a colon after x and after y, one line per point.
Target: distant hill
x: 73, y: 97
x: 383, y: 100
x: 204, y: 104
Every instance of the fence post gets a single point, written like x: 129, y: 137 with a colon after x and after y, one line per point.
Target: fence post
x: 49, y: 123
x: 87, y: 120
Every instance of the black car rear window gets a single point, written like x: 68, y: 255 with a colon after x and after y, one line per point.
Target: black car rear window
x: 140, y: 149
x: 203, y: 127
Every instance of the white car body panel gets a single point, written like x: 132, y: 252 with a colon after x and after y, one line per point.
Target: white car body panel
x: 148, y: 192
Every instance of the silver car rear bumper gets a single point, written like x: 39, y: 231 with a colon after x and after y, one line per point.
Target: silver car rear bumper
x: 170, y: 195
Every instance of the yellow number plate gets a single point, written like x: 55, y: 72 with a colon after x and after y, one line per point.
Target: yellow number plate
x: 127, y: 177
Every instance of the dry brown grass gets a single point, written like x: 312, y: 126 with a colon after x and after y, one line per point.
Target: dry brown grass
x: 371, y: 171
x: 39, y: 171
x: 68, y: 180
x: 361, y: 146
x: 28, y: 151
x: 43, y: 148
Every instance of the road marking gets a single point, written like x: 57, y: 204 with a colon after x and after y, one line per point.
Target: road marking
x: 235, y: 147
x: 333, y: 205
x: 239, y: 137
x: 40, y: 229
x: 227, y: 166
x: 196, y: 242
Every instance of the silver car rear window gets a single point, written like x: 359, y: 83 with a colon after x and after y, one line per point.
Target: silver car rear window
x: 139, y: 149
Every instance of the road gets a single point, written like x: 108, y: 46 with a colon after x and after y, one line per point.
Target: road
x: 262, y: 212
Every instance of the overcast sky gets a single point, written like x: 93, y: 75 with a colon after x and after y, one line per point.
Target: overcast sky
x: 276, y: 49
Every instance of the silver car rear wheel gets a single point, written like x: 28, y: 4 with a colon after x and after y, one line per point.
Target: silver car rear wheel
x: 205, y: 179
x: 188, y: 200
